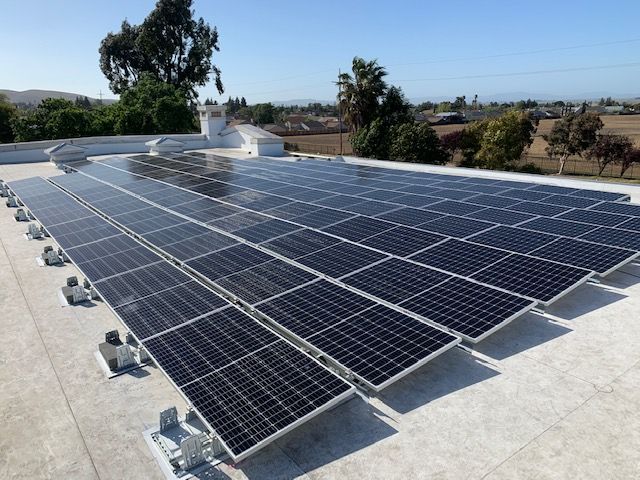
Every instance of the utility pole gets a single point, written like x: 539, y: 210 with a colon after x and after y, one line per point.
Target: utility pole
x: 340, y: 109
x: 100, y: 96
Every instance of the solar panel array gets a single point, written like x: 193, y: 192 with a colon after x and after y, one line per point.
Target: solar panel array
x: 377, y: 270
x: 257, y: 278
x: 301, y: 188
x: 247, y: 383
x: 326, y: 255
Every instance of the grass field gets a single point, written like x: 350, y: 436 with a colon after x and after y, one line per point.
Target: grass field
x: 328, y: 144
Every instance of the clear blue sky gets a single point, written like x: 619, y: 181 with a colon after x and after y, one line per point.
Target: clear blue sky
x: 293, y: 49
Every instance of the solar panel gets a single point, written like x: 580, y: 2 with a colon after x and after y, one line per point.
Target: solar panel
x: 168, y: 308
x: 103, y: 267
x: 631, y: 224
x: 534, y: 278
x: 614, y: 236
x: 493, y: 201
x: 265, y: 281
x: 136, y: 284
x: 594, y: 217
x: 618, y: 207
x: 471, y: 310
x: 395, y: 280
x: 197, y: 246
x: 536, y: 208
x: 376, y: 343
x: 457, y: 256
x: 557, y: 226
x: 340, y: 259
x: 608, y: 196
x: 322, y: 217
x: 568, y: 201
x: 455, y: 208
x: 504, y: 217
x: 528, y: 195
x: 247, y: 384
x: 409, y: 216
x: 228, y: 261
x: 265, y: 231
x: 358, y: 228
x: 300, y: 243
x: 591, y: 256
x: 402, y: 241
x: 460, y: 227
x: 512, y: 239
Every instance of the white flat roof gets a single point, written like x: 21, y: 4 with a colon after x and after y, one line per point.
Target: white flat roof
x: 546, y: 397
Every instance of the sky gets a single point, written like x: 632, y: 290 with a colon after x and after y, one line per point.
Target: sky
x: 293, y: 49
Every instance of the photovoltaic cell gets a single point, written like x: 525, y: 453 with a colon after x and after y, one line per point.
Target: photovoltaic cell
x: 615, y: 237
x: 467, y: 308
x: 535, y: 278
x: 402, y: 241
x: 357, y: 228
x: 602, y: 219
x: 340, y: 259
x: 591, y: 256
x: 512, y: 239
x: 457, y: 256
x: 395, y: 280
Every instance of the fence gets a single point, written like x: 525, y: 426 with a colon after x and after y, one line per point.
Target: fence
x: 318, y: 149
x: 580, y: 166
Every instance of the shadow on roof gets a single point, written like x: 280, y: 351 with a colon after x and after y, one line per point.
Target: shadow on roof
x: 528, y: 332
x: 337, y: 433
x: 448, y: 373
x: 584, y: 300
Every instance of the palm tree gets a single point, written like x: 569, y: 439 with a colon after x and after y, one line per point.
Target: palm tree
x: 360, y: 93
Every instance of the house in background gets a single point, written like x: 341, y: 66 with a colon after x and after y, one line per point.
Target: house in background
x: 274, y: 128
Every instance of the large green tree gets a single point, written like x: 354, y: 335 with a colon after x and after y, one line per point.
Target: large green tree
x: 417, y: 142
x: 151, y: 107
x: 8, y: 114
x: 504, y: 140
x: 53, y: 118
x: 572, y: 135
x: 360, y: 92
x: 170, y: 45
x: 610, y: 149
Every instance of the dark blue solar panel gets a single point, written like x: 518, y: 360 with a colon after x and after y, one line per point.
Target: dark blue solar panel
x: 513, y: 239
x: 462, y: 258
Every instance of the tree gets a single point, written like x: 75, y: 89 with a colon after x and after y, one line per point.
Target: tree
x: 263, y: 113
x: 395, y: 109
x: 505, y: 139
x: 418, y: 143
x: 53, y: 118
x: 170, y: 45
x: 632, y: 157
x: 360, y: 93
x: 152, y: 107
x: 459, y: 103
x: 8, y: 115
x: 610, y: 149
x: 452, y: 142
x: 243, y: 103
x: 572, y: 135
x: 372, y: 140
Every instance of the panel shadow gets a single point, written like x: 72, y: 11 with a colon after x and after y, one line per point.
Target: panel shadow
x: 527, y: 332
x: 585, y: 299
x: 448, y: 373
x: 332, y: 435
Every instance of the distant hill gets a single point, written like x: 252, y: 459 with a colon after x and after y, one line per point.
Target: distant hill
x: 36, y: 96
x: 303, y: 102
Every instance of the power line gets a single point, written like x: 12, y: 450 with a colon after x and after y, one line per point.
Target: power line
x: 531, y: 72
x: 453, y: 60
x: 512, y: 54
